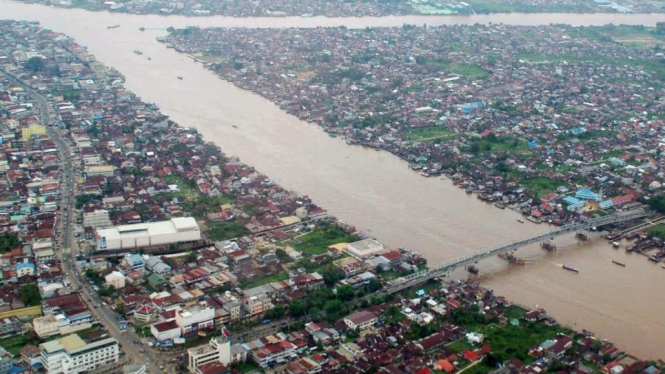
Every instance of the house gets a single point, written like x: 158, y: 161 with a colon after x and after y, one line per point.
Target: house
x: 361, y: 320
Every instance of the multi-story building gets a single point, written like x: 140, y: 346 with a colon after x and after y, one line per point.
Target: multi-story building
x: 361, y: 320
x: 195, y: 319
x: 98, y: 218
x: 72, y: 355
x: 274, y: 353
x: 257, y: 305
x: 218, y: 350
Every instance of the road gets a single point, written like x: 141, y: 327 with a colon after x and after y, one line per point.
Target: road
x: 136, y: 352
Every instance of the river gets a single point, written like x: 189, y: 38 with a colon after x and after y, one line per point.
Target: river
x: 375, y: 191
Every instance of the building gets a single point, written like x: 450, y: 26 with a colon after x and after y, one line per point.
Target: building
x: 45, y: 326
x: 273, y: 353
x: 175, y: 230
x: 103, y: 170
x: 115, y: 279
x: 72, y: 355
x: 256, y: 305
x: 195, y: 319
x: 364, y: 249
x: 361, y: 320
x: 97, y: 219
x: 218, y: 350
x: 165, y: 331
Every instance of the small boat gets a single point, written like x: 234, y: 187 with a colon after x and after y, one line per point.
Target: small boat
x: 472, y: 269
x: 662, y: 266
x: 179, y: 77
x: 499, y: 205
x: 615, y: 262
x: 570, y: 268
x: 234, y: 126
x: 138, y: 52
x: 142, y: 28
x: 654, y: 259
x: 520, y: 220
x: 615, y: 244
x: 112, y: 27
x: 424, y: 174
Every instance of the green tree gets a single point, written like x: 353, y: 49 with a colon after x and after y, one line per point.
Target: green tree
x: 331, y: 274
x: 8, y: 241
x: 345, y: 292
x: 34, y: 64
x: 277, y: 312
x: 29, y: 294
x: 297, y: 308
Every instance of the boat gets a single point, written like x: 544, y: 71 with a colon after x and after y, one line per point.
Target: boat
x: 142, y: 28
x: 570, y: 268
x: 179, y: 77
x: 138, y: 52
x: 112, y: 27
x: 424, y: 174
x: 472, y: 269
x: 520, y: 220
x: 615, y: 262
x: 499, y: 205
x: 234, y: 126
x: 615, y: 244
x: 654, y: 259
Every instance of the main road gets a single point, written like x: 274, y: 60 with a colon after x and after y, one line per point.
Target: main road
x: 67, y: 246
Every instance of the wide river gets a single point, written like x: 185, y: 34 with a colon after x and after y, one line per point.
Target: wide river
x: 375, y: 191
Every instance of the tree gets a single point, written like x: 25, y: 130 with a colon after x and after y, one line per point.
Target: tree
x: 29, y: 294
x: 277, y: 312
x: 332, y: 309
x: 34, y: 64
x: 8, y: 241
x: 374, y: 285
x: 297, y: 308
x: 331, y: 274
x: 345, y: 292
x: 191, y: 257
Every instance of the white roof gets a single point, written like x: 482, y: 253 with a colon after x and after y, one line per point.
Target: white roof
x: 171, y: 226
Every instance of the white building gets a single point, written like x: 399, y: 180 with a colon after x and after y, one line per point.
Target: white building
x: 218, y: 350
x: 175, y: 230
x: 361, y: 320
x: 164, y: 331
x: 364, y: 249
x: 72, y: 355
x: 115, y: 279
x: 195, y: 318
x: 97, y: 219
x: 45, y: 326
x: 104, y: 170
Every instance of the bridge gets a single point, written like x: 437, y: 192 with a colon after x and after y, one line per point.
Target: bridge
x: 411, y: 280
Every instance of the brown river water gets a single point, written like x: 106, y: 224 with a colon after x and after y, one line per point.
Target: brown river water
x: 375, y: 191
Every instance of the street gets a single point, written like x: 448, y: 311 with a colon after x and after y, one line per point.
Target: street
x: 137, y: 353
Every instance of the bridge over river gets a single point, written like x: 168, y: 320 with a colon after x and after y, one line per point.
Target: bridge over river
x: 411, y: 280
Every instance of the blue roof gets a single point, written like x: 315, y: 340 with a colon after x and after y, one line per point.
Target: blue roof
x: 572, y: 201
x: 22, y: 265
x: 136, y: 259
x: 587, y: 194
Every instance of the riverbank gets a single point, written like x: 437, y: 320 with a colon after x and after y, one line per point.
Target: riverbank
x: 364, y: 8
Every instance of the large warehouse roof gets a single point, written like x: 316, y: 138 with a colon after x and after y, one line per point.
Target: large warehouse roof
x: 172, y: 226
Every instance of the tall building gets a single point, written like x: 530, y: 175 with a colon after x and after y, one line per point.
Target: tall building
x: 73, y: 355
x: 218, y: 350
